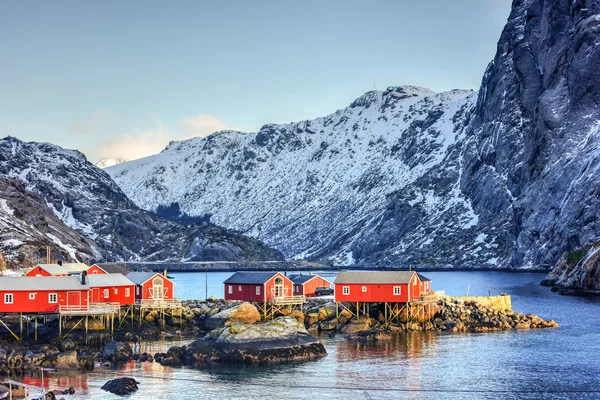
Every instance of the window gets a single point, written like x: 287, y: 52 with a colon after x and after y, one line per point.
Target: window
x: 415, y: 282
x: 95, y: 272
x: 364, y: 288
x: 127, y: 292
x: 106, y: 293
x: 229, y: 289
x: 8, y: 298
x: 397, y: 291
x: 31, y: 296
x: 52, y: 298
x: 116, y: 291
x: 346, y: 290
x: 258, y: 290
x: 239, y: 288
x: 137, y: 290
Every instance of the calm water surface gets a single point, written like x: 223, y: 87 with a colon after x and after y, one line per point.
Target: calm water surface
x: 537, y: 364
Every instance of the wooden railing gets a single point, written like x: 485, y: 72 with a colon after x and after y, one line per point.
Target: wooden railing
x: 91, y: 308
x: 284, y: 300
x: 159, y: 303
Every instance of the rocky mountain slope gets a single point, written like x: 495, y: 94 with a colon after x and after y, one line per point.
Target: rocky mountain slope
x: 109, y: 162
x: 577, y: 272
x: 507, y: 177
x: 87, y: 201
x: 28, y: 225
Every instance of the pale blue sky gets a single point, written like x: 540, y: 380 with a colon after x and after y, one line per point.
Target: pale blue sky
x: 121, y: 78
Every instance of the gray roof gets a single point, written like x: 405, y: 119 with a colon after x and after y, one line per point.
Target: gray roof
x: 250, y: 278
x: 358, y: 277
x: 302, y: 279
x: 55, y: 269
x: 99, y: 280
x: 423, y: 278
x: 113, y: 268
x: 140, y: 277
x: 27, y: 283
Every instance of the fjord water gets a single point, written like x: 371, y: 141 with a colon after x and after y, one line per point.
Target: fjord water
x: 531, y: 364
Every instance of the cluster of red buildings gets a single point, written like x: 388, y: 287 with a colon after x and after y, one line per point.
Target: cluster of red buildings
x: 48, y: 286
x: 260, y: 287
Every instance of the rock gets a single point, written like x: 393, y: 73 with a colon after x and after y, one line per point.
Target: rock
x: 329, y: 325
x: 121, y: 386
x: 220, y: 318
x: 117, y: 352
x: 67, y: 344
x: 327, y: 311
x: 245, y: 313
x: 311, y: 318
x: 67, y: 359
x: 354, y: 325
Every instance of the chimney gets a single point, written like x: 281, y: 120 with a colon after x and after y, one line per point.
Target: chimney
x: 84, y: 277
x: 165, y: 273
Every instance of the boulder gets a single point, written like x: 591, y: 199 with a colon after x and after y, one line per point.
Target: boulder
x: 218, y: 319
x: 245, y: 313
x: 67, y: 359
x: 121, y: 386
x: 357, y: 325
x: 117, y: 351
x: 329, y: 325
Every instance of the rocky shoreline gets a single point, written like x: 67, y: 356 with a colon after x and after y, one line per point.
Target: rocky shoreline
x: 230, y: 332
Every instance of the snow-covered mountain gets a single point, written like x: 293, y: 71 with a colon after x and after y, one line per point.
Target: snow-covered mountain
x: 506, y: 177
x: 88, y: 202
x: 109, y: 162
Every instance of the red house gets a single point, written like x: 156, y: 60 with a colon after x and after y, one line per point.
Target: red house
x: 379, y: 287
x: 41, y: 294
x: 257, y: 286
x: 111, y: 288
x: 152, y: 286
x: 109, y: 268
x: 57, y: 269
x: 306, y: 284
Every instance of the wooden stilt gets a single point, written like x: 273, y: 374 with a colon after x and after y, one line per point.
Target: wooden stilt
x: 385, y: 317
x: 21, y: 324
x: 35, y: 328
x: 357, y: 311
x: 86, y: 329
x: 59, y: 325
x: 337, y: 310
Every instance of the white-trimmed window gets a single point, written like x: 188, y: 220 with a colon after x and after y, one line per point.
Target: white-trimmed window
x: 95, y: 272
x: 397, y: 290
x: 106, y: 293
x: 229, y: 289
x: 345, y: 289
x: 116, y: 291
x: 364, y: 288
x: 258, y: 290
x: 127, y: 292
x: 415, y: 282
x: 239, y: 288
x: 52, y: 298
x: 137, y: 290
x: 31, y: 296
x: 8, y: 298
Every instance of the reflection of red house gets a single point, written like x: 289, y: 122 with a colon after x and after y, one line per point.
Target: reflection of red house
x: 379, y: 287
x: 257, y: 286
x: 41, y: 294
x: 111, y: 288
x: 306, y: 284
x: 152, y: 286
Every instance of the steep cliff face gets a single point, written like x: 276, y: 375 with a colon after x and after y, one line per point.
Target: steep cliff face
x: 577, y: 272
x: 86, y: 199
x: 507, y: 177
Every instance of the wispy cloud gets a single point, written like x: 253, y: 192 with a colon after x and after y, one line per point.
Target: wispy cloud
x: 142, y: 142
x: 92, y: 124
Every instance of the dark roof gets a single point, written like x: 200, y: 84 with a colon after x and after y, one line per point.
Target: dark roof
x: 250, y: 278
x: 113, y: 268
x: 302, y: 279
x: 423, y: 278
x: 140, y: 277
x: 358, y: 277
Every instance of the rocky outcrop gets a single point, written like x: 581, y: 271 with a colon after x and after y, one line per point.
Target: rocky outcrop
x: 86, y: 200
x: 577, y: 273
x: 283, y: 339
x: 121, y: 386
x: 117, y: 352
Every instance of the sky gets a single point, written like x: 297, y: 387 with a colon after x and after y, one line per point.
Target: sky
x: 121, y: 79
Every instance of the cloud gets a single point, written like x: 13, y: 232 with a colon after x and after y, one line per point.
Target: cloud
x: 201, y: 125
x: 92, y: 124
x: 138, y: 143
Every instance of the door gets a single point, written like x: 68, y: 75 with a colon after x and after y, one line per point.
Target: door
x: 95, y: 295
x: 157, y: 289
x: 73, y: 299
x: 278, y: 288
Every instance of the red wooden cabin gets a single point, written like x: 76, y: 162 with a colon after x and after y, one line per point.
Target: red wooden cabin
x: 57, y: 269
x: 111, y: 288
x: 96, y: 270
x: 379, y: 287
x: 152, y: 286
x: 41, y: 294
x: 257, y: 286
x: 306, y: 284
x: 108, y: 268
